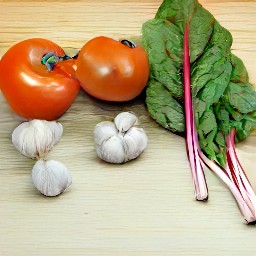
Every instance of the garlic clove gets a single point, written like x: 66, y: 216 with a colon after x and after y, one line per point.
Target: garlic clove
x: 112, y: 150
x: 124, y: 121
x: 37, y: 137
x: 51, y: 177
x: 103, y: 131
x: 135, y: 142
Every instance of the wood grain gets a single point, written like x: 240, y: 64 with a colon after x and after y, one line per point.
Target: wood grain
x: 144, y: 207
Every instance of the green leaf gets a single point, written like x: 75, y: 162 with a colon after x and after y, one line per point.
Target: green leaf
x: 207, y: 122
x: 242, y: 96
x: 239, y: 72
x: 167, y: 111
x: 178, y: 12
x: 215, y: 88
x: 165, y: 56
x: 201, y: 25
x: 214, y: 67
x: 220, y: 139
x: 199, y: 108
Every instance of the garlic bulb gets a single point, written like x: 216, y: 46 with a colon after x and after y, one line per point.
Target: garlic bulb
x: 37, y: 137
x: 51, y: 177
x: 120, y: 141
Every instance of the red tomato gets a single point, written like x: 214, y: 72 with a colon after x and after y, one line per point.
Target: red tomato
x: 31, y: 90
x: 67, y: 66
x: 112, y: 70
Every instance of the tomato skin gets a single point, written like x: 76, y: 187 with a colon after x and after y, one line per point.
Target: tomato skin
x: 112, y: 71
x: 31, y: 90
x: 68, y: 66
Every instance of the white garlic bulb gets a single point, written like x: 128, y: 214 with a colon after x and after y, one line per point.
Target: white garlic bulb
x: 120, y: 141
x: 51, y: 177
x: 37, y: 137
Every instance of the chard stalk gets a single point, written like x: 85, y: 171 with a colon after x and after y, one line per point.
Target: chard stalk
x: 248, y: 204
x: 193, y: 149
x: 235, y: 178
x: 233, y: 174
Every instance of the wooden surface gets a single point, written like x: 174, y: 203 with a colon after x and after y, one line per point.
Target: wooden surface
x: 145, y: 207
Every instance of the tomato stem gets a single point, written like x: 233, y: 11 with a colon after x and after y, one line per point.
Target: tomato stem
x: 128, y: 43
x: 50, y: 59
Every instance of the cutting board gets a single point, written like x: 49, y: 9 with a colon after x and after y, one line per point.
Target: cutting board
x: 144, y: 207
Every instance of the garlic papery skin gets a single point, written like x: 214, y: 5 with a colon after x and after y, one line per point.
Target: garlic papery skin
x: 120, y: 141
x: 135, y: 141
x: 51, y: 178
x: 34, y: 139
x: 104, y: 131
x: 124, y: 121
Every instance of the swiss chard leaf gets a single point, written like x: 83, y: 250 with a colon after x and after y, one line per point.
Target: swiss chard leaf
x: 241, y: 97
x: 164, y: 108
x: 165, y: 56
x: 222, y: 96
x: 239, y: 72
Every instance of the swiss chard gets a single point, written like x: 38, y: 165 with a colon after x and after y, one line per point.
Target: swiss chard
x: 205, y: 94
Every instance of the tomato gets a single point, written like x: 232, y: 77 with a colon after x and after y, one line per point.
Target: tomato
x: 112, y: 70
x: 31, y: 90
x: 68, y: 66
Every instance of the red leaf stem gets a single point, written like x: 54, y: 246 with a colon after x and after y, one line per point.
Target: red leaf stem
x: 193, y: 149
x: 235, y: 178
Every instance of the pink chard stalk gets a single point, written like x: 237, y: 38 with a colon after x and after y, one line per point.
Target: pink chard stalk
x: 235, y: 178
x: 233, y: 174
x: 193, y: 149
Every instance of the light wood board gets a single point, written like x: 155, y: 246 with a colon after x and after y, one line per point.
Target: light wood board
x: 145, y: 207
